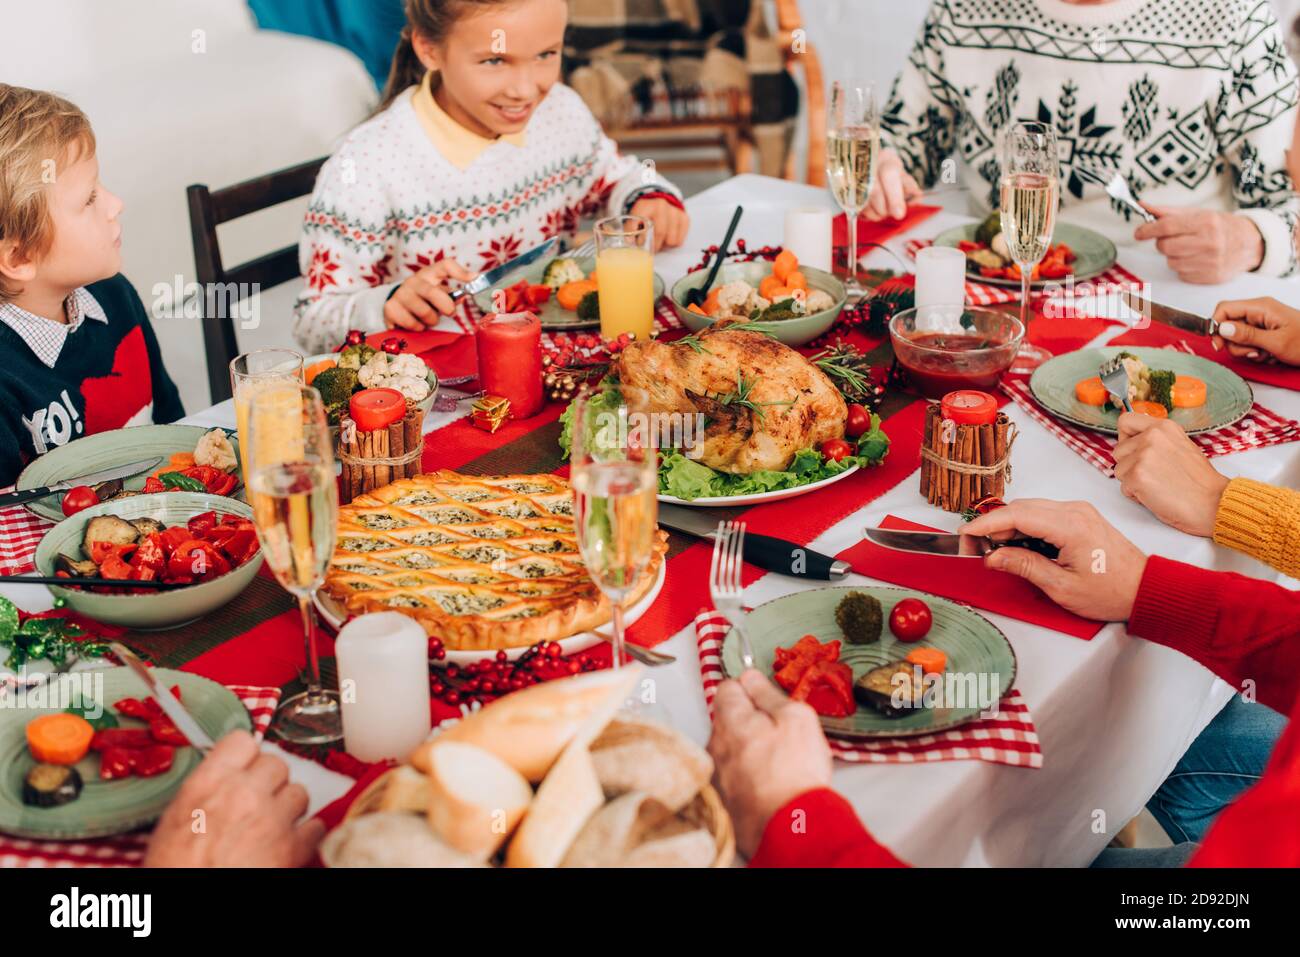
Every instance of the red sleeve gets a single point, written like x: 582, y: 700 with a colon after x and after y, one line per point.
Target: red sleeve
x: 1240, y: 628
x: 819, y: 829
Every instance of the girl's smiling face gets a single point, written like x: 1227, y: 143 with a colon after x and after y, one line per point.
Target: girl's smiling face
x: 497, y: 63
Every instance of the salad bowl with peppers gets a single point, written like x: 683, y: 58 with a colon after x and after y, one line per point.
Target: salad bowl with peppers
x: 203, y: 541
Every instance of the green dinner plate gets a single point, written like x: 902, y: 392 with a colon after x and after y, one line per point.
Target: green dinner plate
x: 109, y: 807
x: 978, y: 654
x: 552, y: 314
x: 103, y: 450
x: 1228, y: 397
x: 1095, y: 252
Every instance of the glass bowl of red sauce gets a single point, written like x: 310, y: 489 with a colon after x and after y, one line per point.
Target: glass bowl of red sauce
x: 946, y: 348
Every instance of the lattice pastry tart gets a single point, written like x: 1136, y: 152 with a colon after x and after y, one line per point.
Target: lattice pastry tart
x: 481, y: 562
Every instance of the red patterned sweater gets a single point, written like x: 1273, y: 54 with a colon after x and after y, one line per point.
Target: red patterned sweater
x: 388, y: 203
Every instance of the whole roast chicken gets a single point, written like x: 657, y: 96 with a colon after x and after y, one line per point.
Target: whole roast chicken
x: 762, y: 400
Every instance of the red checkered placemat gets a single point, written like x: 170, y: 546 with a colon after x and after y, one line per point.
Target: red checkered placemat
x: 1260, y: 428
x: 20, y: 531
x: 983, y: 294
x: 124, y: 850
x: 665, y: 320
x: 1008, y: 738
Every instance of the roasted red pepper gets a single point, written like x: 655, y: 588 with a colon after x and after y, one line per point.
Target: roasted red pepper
x: 153, y: 484
x: 196, y: 559
x: 114, y: 567
x: 164, y: 732
x: 791, y: 663
x: 151, y: 554
x: 130, y: 738
x: 116, y: 763
x: 102, y: 550
x: 149, y: 762
x: 827, y: 687
x: 201, y: 524
x: 217, y: 481
x: 132, y: 708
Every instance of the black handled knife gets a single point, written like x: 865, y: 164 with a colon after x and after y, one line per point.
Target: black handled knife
x: 774, y: 554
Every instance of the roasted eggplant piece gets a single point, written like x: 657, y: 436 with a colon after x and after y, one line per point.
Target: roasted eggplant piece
x: 106, y: 491
x: 877, y: 689
x: 148, y: 526
x: 51, y: 785
x: 108, y: 528
x: 986, y: 257
x: 84, y: 569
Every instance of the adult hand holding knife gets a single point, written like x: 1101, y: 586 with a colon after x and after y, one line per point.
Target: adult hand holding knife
x: 1261, y: 330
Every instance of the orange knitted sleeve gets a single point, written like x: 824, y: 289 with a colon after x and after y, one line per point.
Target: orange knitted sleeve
x: 1263, y: 521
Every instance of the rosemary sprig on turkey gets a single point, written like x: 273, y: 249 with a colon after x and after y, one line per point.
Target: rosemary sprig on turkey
x: 741, y: 397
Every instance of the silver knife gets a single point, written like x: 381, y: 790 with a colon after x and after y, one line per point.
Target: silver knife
x: 1169, y: 316
x: 774, y: 554
x: 90, y: 478
x: 494, y: 275
x: 953, y: 544
x: 183, y: 720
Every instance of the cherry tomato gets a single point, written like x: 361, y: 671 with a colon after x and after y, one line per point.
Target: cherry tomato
x: 910, y: 620
x: 77, y: 498
x: 859, y: 421
x: 836, y: 449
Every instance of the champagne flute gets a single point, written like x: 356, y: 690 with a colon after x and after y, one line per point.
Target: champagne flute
x: 615, y: 509
x: 852, y: 150
x: 1030, y: 192
x: 290, y: 460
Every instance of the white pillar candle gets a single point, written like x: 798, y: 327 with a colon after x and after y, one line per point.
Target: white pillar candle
x: 808, y: 236
x: 940, y: 276
x: 383, y: 666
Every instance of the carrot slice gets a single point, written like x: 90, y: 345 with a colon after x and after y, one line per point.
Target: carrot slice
x: 1090, y: 391
x: 781, y: 292
x: 571, y: 293
x: 784, y: 264
x: 931, y: 660
x: 712, y: 302
x: 767, y: 284
x: 1153, y: 409
x: 696, y: 309
x: 59, y: 738
x: 312, y: 371
x: 1188, y: 392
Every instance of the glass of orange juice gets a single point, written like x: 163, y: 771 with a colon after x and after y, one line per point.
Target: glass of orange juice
x: 252, y: 373
x: 625, y: 276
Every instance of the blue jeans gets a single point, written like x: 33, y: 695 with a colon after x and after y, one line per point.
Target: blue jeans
x: 1176, y: 856
x: 1224, y: 760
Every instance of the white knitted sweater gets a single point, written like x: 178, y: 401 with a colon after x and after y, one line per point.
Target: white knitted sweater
x: 388, y: 203
x: 1192, y: 101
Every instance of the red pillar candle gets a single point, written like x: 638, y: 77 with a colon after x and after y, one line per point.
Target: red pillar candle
x: 510, y: 360
x: 969, y: 407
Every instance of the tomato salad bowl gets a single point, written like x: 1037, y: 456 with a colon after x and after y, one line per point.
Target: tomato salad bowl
x: 206, y: 542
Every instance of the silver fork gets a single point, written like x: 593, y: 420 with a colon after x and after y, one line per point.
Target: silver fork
x: 581, y: 252
x: 725, y: 586
x: 1114, y: 376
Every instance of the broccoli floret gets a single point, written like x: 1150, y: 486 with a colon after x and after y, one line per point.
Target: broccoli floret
x: 562, y: 270
x: 354, y: 357
x: 336, y: 385
x: 589, y: 307
x: 860, y: 617
x: 1160, y: 387
x: 777, y: 311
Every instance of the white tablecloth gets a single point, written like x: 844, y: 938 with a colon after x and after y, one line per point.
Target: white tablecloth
x: 1114, y: 714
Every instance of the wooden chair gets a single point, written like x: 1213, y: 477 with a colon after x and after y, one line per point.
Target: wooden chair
x: 796, y: 49
x: 208, y: 210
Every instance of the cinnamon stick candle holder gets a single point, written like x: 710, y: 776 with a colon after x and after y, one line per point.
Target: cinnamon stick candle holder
x: 962, y: 464
x: 373, y: 459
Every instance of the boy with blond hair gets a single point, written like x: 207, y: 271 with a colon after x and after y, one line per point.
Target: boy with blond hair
x: 77, y: 352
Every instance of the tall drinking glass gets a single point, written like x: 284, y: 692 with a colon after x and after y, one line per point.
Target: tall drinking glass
x: 290, y: 461
x: 625, y: 267
x: 615, y: 512
x: 253, y: 371
x: 852, y: 149
x: 1030, y: 194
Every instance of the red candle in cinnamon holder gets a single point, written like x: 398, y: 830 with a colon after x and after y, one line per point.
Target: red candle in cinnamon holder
x: 510, y: 360
x: 969, y: 407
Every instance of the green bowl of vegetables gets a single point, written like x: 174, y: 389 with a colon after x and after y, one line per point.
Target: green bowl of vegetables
x: 796, y: 330
x: 336, y: 376
x: 152, y: 610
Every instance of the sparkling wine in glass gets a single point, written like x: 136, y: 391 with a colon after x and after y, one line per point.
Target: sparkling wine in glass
x: 852, y: 151
x: 292, y: 489
x: 253, y: 371
x: 1030, y: 188
x: 615, y: 481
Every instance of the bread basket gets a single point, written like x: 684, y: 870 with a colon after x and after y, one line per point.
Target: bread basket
x: 706, y: 810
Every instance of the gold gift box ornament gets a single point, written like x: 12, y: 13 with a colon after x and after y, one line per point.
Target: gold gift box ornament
x: 489, y: 411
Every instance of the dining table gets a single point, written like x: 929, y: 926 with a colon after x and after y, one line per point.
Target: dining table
x: 1113, y: 714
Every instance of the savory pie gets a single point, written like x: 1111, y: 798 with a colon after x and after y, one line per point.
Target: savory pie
x: 481, y: 562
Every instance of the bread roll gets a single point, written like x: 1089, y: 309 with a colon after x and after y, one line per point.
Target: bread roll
x: 528, y: 729
x: 567, y: 798
x: 389, y: 839
x: 405, y: 789
x: 633, y: 754
x: 475, y: 799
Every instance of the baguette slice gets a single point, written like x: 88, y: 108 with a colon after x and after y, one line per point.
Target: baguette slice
x: 475, y: 799
x: 389, y: 839
x: 569, y: 796
x: 633, y: 754
x: 529, y: 729
x: 405, y: 789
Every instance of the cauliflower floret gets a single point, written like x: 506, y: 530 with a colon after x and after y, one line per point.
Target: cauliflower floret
x: 1139, y: 386
x: 375, y: 369
x: 406, y: 364
x: 214, y: 449
x: 406, y: 373
x: 410, y: 386
x: 739, y: 298
x: 818, y: 299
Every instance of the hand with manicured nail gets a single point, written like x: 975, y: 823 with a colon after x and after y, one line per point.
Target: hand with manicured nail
x: 1098, y: 571
x: 1259, y: 329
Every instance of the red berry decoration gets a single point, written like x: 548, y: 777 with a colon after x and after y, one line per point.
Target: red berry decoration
x: 393, y: 345
x: 355, y: 337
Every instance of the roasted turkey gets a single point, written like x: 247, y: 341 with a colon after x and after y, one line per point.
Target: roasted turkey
x: 791, y: 404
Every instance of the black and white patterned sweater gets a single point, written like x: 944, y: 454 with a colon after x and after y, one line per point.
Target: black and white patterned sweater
x: 1192, y: 101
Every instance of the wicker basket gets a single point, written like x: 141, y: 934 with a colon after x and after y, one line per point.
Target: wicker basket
x: 706, y: 810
